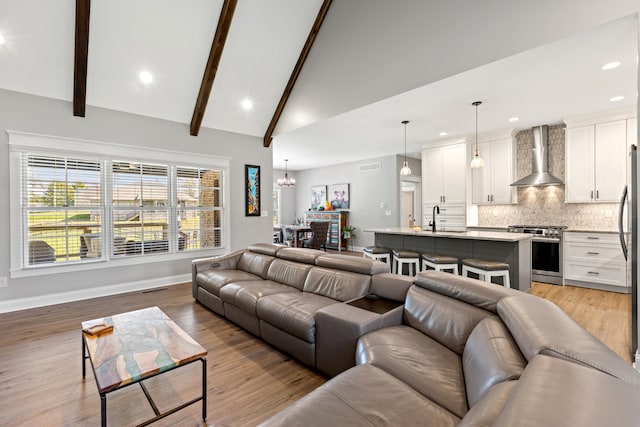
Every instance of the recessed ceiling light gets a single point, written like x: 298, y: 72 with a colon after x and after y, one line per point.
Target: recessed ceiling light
x: 616, y: 98
x: 145, y: 77
x: 443, y: 134
x: 247, y: 104
x: 514, y: 119
x: 1, y: 39
x: 611, y: 65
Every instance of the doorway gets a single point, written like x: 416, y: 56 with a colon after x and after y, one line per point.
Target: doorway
x: 410, y: 203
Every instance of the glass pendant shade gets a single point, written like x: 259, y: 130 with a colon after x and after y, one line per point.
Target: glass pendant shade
x: 286, y: 181
x: 406, y: 170
x: 477, y: 161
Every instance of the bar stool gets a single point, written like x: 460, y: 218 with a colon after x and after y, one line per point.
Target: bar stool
x: 379, y: 253
x: 440, y: 262
x: 401, y: 257
x: 486, y: 269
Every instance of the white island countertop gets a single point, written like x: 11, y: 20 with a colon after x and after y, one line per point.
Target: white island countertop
x: 500, y: 236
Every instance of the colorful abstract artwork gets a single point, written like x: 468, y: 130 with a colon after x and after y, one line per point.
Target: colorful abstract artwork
x: 252, y: 190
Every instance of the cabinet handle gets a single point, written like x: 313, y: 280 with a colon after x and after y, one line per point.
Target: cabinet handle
x: 443, y: 220
x: 492, y: 197
x: 597, y: 194
x: 593, y: 253
x: 488, y: 198
x: 591, y: 194
x: 444, y: 199
x: 593, y: 238
x: 593, y: 272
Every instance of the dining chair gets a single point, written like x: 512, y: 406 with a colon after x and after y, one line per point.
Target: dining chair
x: 318, y: 240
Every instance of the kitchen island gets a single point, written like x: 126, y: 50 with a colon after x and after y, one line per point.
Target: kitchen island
x: 511, y: 248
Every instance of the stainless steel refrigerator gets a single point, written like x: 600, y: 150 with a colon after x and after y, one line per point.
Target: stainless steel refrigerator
x: 629, y: 242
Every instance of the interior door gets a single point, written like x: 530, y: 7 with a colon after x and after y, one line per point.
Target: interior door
x: 407, y: 203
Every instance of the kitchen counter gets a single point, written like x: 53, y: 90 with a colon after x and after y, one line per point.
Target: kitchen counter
x: 500, y: 236
x: 511, y: 248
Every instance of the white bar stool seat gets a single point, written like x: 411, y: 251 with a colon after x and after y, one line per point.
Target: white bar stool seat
x: 486, y: 270
x: 440, y: 262
x: 402, y: 257
x: 379, y: 253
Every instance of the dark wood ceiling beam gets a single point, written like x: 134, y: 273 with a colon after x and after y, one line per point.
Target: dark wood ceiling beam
x: 217, y: 46
x: 81, y: 57
x: 268, y: 137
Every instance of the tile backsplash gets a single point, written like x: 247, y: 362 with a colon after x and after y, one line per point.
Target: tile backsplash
x: 545, y: 205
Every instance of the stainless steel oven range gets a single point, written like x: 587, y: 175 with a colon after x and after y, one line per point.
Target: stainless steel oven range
x: 546, y: 252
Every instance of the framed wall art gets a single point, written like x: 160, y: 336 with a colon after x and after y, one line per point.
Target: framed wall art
x: 252, y: 190
x: 318, y: 196
x: 339, y: 196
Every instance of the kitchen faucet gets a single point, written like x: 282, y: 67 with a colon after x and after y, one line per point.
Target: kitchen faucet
x: 432, y: 223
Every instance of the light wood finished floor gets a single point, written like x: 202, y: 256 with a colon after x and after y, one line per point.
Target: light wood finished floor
x: 248, y: 381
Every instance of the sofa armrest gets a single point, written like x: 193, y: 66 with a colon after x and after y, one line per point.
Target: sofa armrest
x: 338, y: 328
x: 220, y: 262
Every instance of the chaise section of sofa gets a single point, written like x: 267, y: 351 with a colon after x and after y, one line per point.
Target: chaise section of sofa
x: 471, y: 354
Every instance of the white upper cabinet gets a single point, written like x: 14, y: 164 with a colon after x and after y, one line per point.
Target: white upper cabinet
x: 491, y: 184
x: 596, y: 162
x: 443, y: 174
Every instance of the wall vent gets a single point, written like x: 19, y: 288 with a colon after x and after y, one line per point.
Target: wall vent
x: 370, y: 167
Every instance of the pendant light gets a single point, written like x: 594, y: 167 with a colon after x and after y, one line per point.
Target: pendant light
x: 286, y: 181
x: 477, y: 161
x: 406, y: 170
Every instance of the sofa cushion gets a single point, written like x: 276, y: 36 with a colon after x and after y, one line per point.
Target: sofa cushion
x: 490, y: 357
x: 293, y: 313
x: 353, y: 264
x: 444, y: 319
x: 465, y: 289
x: 255, y: 263
x: 335, y: 284
x: 555, y: 392
x: 363, y: 396
x: 487, y: 409
x: 246, y: 294
x: 288, y: 272
x: 214, y: 280
x: 541, y: 327
x: 419, y: 361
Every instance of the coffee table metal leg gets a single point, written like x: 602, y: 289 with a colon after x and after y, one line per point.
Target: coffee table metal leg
x: 204, y: 388
x: 84, y: 357
x: 103, y: 410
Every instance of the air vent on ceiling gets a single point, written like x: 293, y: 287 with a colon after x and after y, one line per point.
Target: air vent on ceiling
x: 370, y: 167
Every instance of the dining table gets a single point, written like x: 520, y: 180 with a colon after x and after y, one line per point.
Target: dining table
x: 297, y: 231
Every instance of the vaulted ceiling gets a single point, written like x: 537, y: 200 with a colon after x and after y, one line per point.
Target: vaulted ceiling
x: 374, y: 64
x: 169, y: 39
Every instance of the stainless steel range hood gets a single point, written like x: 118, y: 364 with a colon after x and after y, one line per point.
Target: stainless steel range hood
x: 540, y: 162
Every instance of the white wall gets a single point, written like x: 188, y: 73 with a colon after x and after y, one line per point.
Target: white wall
x: 372, y: 194
x: 28, y: 113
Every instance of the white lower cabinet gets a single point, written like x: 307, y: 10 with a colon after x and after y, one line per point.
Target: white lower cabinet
x: 594, y: 258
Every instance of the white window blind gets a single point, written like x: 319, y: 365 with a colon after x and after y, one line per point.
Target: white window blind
x: 199, y: 218
x: 140, y: 208
x: 61, y: 204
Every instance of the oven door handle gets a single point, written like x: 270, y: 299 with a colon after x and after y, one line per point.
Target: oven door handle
x: 546, y: 239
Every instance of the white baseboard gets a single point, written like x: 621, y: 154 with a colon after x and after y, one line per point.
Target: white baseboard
x: 102, y: 291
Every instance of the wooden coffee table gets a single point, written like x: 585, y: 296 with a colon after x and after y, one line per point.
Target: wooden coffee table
x: 142, y: 344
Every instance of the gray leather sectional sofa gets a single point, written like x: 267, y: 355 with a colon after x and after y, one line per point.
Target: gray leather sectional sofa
x: 454, y: 351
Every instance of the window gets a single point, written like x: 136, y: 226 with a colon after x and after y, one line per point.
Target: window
x: 76, y: 207
x: 62, y: 202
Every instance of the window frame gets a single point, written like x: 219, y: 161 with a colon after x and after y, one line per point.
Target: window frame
x: 26, y: 143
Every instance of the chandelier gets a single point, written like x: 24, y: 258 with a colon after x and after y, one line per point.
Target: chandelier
x: 286, y: 181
